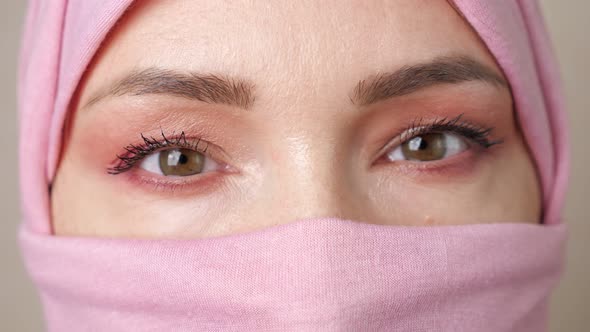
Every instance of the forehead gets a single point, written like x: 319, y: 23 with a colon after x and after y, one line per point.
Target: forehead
x: 287, y: 43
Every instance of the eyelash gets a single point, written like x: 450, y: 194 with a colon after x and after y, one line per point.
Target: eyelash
x: 465, y: 129
x: 136, y: 153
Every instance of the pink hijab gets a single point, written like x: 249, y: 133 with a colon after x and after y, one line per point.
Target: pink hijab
x: 494, y: 277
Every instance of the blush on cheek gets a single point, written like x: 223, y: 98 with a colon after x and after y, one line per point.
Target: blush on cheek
x: 93, y: 148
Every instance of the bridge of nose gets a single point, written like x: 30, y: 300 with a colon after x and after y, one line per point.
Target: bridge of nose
x: 315, y: 175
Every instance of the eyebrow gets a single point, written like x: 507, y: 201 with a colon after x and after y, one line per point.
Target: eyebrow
x: 208, y: 88
x: 408, y: 79
x: 220, y: 89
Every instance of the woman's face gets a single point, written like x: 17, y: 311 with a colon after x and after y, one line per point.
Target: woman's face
x: 205, y: 118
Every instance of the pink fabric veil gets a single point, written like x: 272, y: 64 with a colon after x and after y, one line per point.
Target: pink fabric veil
x: 59, y: 40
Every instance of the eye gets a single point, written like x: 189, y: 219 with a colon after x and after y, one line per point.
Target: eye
x: 429, y: 147
x: 178, y: 162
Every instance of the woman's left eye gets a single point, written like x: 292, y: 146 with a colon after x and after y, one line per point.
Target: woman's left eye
x: 429, y: 147
x: 178, y: 162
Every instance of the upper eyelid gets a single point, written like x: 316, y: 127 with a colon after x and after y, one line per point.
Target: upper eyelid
x: 193, y: 143
x: 444, y: 124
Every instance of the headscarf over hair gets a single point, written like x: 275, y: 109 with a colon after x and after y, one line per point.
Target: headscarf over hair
x: 59, y: 40
x: 324, y: 273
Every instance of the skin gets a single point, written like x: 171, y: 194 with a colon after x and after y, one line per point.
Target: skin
x: 302, y: 149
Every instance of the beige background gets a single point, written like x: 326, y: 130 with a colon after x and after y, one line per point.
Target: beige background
x: 569, y: 26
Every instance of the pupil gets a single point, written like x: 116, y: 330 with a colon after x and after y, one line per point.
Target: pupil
x: 183, y: 159
x: 423, y: 144
x: 418, y: 143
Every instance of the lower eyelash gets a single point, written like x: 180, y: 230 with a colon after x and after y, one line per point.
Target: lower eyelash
x: 136, y: 153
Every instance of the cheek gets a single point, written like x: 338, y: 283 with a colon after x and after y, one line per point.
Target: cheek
x: 516, y: 187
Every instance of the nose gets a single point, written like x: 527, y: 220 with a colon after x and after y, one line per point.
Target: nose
x: 314, y: 178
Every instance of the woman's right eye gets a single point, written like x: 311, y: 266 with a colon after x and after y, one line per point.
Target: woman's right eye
x: 178, y: 162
